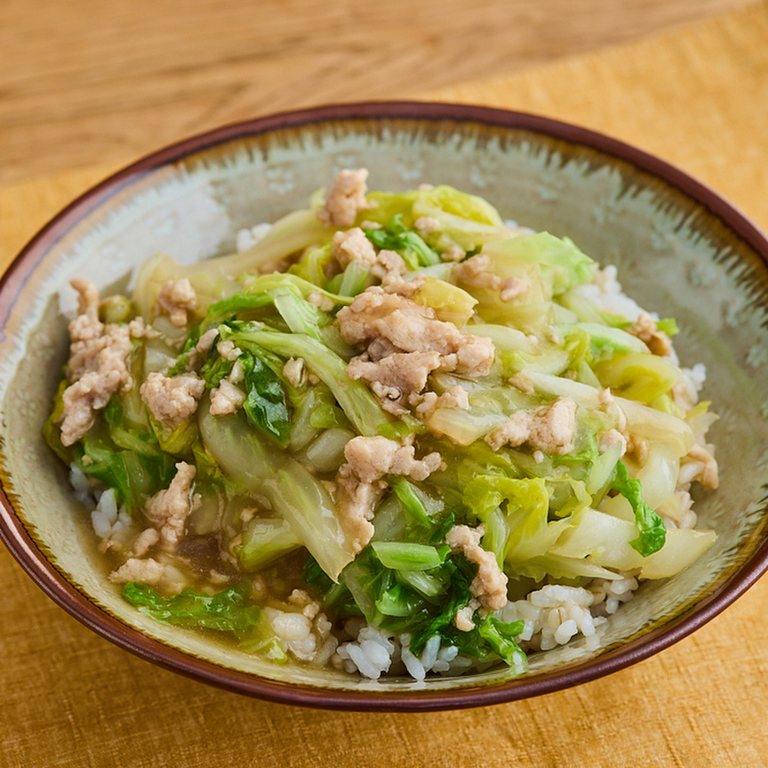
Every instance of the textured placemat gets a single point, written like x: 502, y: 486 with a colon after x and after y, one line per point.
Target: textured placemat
x: 697, y: 97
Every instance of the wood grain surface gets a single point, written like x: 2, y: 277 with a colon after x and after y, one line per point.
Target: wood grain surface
x: 104, y: 81
x: 87, y: 85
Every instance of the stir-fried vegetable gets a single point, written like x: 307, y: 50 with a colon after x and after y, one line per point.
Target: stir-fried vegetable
x: 393, y: 408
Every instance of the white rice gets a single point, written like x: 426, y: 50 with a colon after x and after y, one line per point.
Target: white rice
x: 80, y: 482
x: 110, y: 523
x: 606, y: 293
x: 553, y: 615
x: 247, y: 238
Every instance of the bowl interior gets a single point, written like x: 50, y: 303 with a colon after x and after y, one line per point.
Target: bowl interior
x: 679, y: 251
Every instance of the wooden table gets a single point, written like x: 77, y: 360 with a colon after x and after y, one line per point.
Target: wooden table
x: 104, y: 81
x: 88, y: 85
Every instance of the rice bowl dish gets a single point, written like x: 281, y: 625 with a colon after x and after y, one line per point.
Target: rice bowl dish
x: 393, y: 435
x: 678, y: 250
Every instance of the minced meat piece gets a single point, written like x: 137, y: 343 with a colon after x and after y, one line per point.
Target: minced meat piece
x: 512, y: 288
x: 359, y: 483
x: 609, y: 405
x: 145, y: 541
x: 389, y: 267
x: 170, y: 508
x: 550, y: 429
x: 86, y: 331
x: 393, y: 377
x: 345, y: 199
x: 610, y: 438
x: 205, y: 342
x: 352, y: 245
x: 700, y: 465
x: 293, y: 371
x: 453, y: 253
x: 309, y: 607
x: 228, y: 350
x: 637, y: 447
x: 147, y: 571
x: 463, y: 618
x: 98, y: 363
x: 237, y: 374
x: 226, y: 398
x: 426, y: 224
x: 321, y: 301
x: 355, y: 502
x: 476, y: 271
x: 455, y: 397
x: 175, y: 299
x: 644, y: 328
x: 172, y: 400
x: 490, y: 584
x: 523, y: 383
x: 377, y: 315
x: 404, y: 342
x: 370, y: 458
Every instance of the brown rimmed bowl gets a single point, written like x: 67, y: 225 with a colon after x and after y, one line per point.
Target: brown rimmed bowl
x: 681, y: 250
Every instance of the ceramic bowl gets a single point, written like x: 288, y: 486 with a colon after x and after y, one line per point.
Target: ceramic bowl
x: 681, y: 250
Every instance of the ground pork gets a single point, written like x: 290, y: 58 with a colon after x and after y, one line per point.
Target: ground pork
x: 476, y: 271
x: 370, y: 458
x: 699, y: 465
x: 293, y: 371
x: 98, y: 363
x: 490, y: 584
x: 355, y: 502
x: 631, y: 445
x: 453, y: 253
x: 353, y: 245
x: 609, y: 405
x: 169, y: 509
x: 145, y: 541
x: 359, y: 483
x: 426, y: 224
x: 147, y: 571
x: 523, y: 383
x: 644, y: 328
x: 226, y: 398
x: 550, y: 429
x: 610, y: 438
x: 228, y: 350
x: 205, y: 342
x: 389, y: 267
x: 86, y: 331
x: 321, y: 301
x: 385, y: 323
x: 463, y: 618
x: 176, y: 298
x: 455, y: 397
x: 512, y: 288
x: 637, y: 447
x: 345, y: 199
x: 309, y: 607
x: 237, y: 374
x: 172, y: 400
x: 201, y: 349
x: 393, y: 377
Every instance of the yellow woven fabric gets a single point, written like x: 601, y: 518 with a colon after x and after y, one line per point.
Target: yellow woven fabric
x: 697, y: 97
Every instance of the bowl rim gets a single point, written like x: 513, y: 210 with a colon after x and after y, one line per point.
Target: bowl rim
x: 46, y: 576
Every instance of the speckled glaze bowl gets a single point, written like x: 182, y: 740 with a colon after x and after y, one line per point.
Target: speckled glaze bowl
x: 681, y: 250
